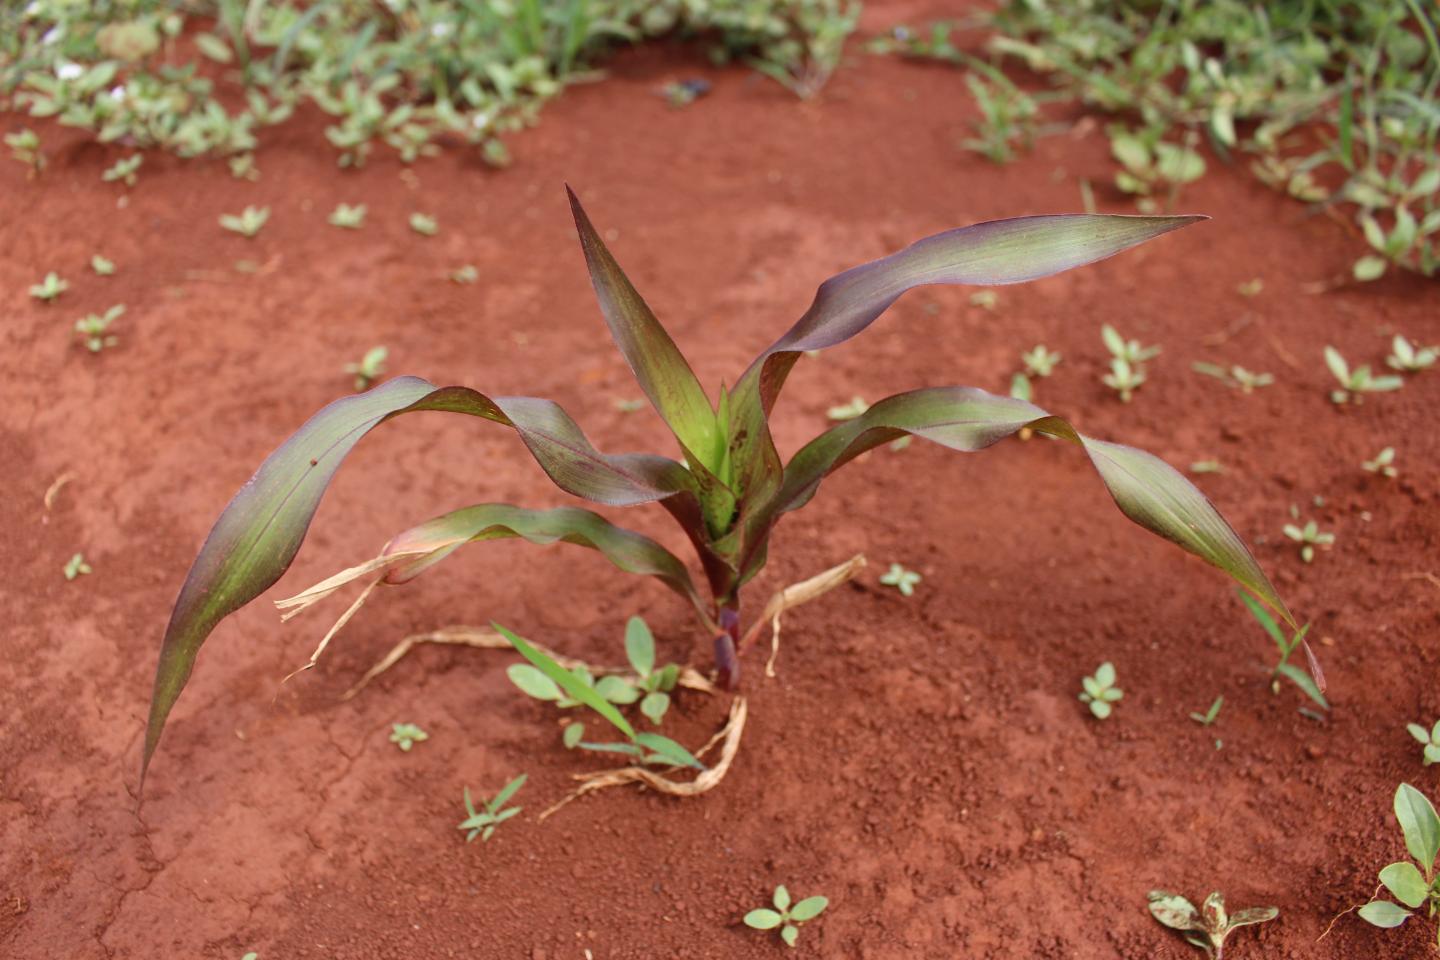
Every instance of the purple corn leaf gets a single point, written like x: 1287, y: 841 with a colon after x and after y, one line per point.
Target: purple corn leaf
x: 1145, y: 488
x: 259, y: 533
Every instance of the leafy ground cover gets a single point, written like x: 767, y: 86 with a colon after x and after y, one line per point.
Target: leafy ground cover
x: 921, y: 761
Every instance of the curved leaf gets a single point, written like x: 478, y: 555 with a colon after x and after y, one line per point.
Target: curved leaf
x: 1383, y: 913
x: 1145, y: 488
x: 1420, y: 824
x: 259, y: 533
x: 992, y: 253
x: 568, y: 682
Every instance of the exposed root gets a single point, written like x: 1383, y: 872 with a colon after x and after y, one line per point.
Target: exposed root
x: 485, y: 639
x: 793, y: 596
x: 1422, y: 575
x: 54, y: 489
x: 728, y: 737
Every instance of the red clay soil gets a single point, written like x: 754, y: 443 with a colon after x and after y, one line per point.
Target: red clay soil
x: 923, y: 762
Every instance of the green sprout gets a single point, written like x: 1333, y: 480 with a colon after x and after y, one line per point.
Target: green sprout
x: 848, y: 411
x: 1411, y: 359
x: 901, y: 579
x: 1151, y: 165
x: 1209, y: 926
x: 786, y: 916
x: 1286, y: 645
x: 1130, y: 351
x: 49, y: 288
x: 242, y: 167
x: 1309, y: 537
x: 482, y: 823
x: 1022, y: 389
x: 1415, y: 887
x: 406, y: 735
x: 465, y: 274
x: 76, y: 566
x: 370, y: 368
x: 1123, y: 378
x: 1235, y: 376
x: 727, y: 487
x: 1207, y: 466
x: 424, y: 225
x: 1040, y: 362
x: 1007, y: 114
x: 93, y: 328
x: 1100, y: 690
x: 348, y: 217
x: 1383, y: 464
x: 25, y: 147
x: 124, y: 170
x: 1355, y: 383
x: 1207, y: 718
x: 572, y: 686
x: 1429, y: 739
x: 650, y: 686
x: 248, y: 222
x: 102, y: 266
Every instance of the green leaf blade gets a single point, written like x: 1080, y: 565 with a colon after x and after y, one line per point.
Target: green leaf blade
x: 1420, y: 824
x: 1406, y: 883
x: 1384, y: 914
x: 762, y: 919
x: 640, y: 646
x: 809, y: 908
x: 568, y: 682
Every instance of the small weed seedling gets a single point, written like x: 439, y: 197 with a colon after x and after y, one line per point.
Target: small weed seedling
x: 482, y: 823
x: 1415, y: 887
x: 1309, y: 537
x: 242, y: 167
x: 901, y: 579
x: 102, y: 266
x: 1100, y: 691
x: 645, y: 747
x: 348, y: 217
x: 857, y: 407
x: 1383, y: 464
x: 650, y: 686
x: 1151, y: 165
x: 1287, y: 646
x: 25, y: 147
x: 1355, y: 383
x: 370, y: 368
x: 1207, y: 718
x: 786, y: 916
x: 1207, y: 927
x: 654, y: 684
x: 1040, y: 362
x: 1236, y: 376
x: 424, y: 225
x: 125, y: 170
x: 1207, y: 466
x: 1123, y: 378
x: 1130, y: 351
x: 248, y: 222
x: 406, y: 735
x: 93, y: 328
x: 1406, y: 357
x: 49, y: 288
x: 1430, y: 739
x: 76, y: 567
x: 465, y: 275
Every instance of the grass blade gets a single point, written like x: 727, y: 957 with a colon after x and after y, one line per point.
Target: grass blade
x: 566, y: 681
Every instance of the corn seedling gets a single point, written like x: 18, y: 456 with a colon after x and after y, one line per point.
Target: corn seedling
x: 25, y: 147
x: 1209, y: 926
x: 848, y: 411
x: 248, y: 222
x: 1355, y: 383
x: 1406, y: 357
x: 650, y: 748
x: 1099, y: 691
x: 48, y: 289
x: 465, y: 275
x: 124, y: 170
x: 370, y: 368
x: 76, y: 566
x: 102, y: 266
x: 1307, y: 682
x: 1208, y: 717
x: 348, y: 217
x: 729, y: 488
x: 482, y: 822
x: 93, y: 328
x: 1429, y: 740
x: 406, y: 735
x: 424, y: 225
x: 786, y: 916
x: 901, y: 579
x: 1416, y: 887
x: 1309, y: 537
x: 1040, y: 362
x: 1236, y: 376
x: 1383, y: 464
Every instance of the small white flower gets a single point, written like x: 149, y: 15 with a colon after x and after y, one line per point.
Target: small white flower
x: 66, y: 70
x: 442, y: 29
x: 53, y: 35
x: 481, y: 120
x: 117, y: 93
x: 33, y: 10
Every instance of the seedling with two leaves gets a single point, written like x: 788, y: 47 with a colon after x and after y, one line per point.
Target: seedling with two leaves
x: 125, y: 170
x: 348, y: 217
x: 1383, y: 464
x: 1040, y: 362
x: 248, y: 222
x: 482, y: 822
x: 93, y: 328
x: 49, y: 288
x: 1429, y: 739
x: 102, y: 266
x: 423, y: 224
x: 406, y: 735
x: 1307, y: 682
x: 1209, y: 926
x: 370, y: 368
x: 1152, y: 165
x: 1246, y: 381
x: 1416, y: 887
x: 1354, y: 384
x: 77, y: 567
x: 1100, y: 692
x: 1408, y: 358
x: 786, y: 916
x: 729, y: 488
x: 1127, y: 362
